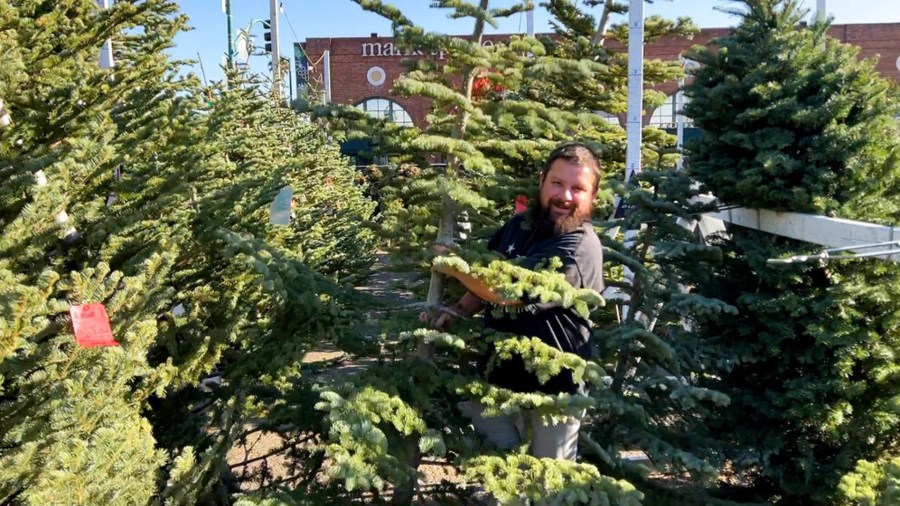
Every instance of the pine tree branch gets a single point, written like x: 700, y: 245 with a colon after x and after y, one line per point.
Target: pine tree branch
x: 202, y: 407
x: 635, y: 295
x: 11, y: 499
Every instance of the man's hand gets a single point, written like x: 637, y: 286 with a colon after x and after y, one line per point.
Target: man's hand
x: 441, y: 318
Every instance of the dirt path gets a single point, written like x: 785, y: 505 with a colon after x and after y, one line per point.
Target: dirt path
x: 387, y: 287
x: 391, y: 291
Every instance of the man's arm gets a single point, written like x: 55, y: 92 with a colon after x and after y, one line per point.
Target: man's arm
x: 466, y: 306
x: 470, y: 303
x: 476, y: 287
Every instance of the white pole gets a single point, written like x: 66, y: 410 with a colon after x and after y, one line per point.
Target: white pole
x: 106, y: 52
x: 635, y: 87
x: 326, y: 75
x: 633, y: 128
x: 679, y: 121
x: 634, y: 121
x: 820, y: 10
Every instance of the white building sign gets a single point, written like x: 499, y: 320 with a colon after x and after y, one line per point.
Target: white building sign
x: 369, y: 49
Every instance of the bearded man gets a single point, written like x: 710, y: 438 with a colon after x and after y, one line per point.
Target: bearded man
x: 557, y: 226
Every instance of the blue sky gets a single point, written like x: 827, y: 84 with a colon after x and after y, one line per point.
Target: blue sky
x: 304, y: 19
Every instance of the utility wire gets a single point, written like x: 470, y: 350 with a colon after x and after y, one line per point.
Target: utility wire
x: 296, y: 38
x: 291, y: 25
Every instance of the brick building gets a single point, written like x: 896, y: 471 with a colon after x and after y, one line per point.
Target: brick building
x: 361, y: 70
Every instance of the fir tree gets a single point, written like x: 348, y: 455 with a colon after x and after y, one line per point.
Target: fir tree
x: 654, y: 401
x: 71, y: 420
x: 462, y: 131
x: 658, y: 400
x: 809, y: 127
x: 872, y: 484
x: 136, y: 188
x: 532, y: 95
x: 255, y: 343
x: 792, y: 120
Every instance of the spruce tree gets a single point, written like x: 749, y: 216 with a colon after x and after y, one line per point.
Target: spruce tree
x: 793, y: 120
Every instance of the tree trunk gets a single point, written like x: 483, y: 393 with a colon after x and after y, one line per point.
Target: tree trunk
x: 603, y: 25
x: 405, y: 492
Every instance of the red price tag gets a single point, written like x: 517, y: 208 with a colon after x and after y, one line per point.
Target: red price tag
x: 91, y: 326
x: 521, y: 204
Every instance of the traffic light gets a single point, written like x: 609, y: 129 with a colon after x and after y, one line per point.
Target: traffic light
x: 267, y: 35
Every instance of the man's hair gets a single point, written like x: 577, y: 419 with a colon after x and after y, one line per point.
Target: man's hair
x: 577, y: 153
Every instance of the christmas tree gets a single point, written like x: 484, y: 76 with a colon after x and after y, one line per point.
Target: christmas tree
x: 71, y: 419
x: 134, y: 194
x: 497, y: 112
x: 793, y: 120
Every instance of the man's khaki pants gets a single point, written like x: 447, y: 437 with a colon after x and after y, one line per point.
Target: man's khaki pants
x: 559, y: 441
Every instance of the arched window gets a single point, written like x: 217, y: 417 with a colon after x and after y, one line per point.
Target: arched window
x: 666, y: 115
x: 386, y: 109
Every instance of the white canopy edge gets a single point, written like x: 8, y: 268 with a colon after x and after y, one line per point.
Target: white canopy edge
x: 815, y: 229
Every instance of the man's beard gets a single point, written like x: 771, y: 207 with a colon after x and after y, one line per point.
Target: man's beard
x: 545, y: 224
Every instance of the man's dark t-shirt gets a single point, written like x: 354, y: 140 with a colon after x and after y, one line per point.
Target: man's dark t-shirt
x: 582, y: 258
